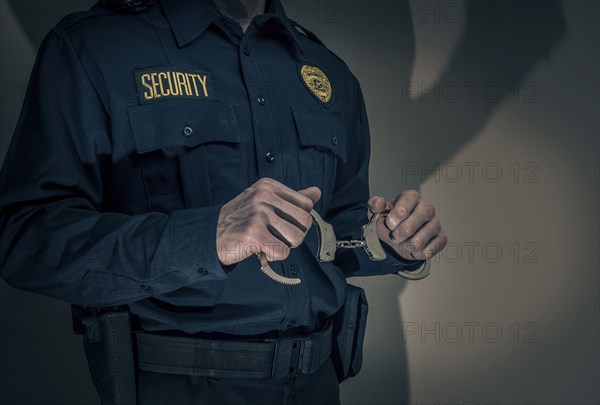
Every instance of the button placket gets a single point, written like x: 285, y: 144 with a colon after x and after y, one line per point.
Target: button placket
x: 261, y: 107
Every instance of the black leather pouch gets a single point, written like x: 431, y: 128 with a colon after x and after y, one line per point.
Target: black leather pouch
x: 349, y: 327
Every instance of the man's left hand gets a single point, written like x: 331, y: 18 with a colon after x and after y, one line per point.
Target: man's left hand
x: 411, y: 227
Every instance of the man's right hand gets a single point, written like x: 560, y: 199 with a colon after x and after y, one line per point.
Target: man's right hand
x: 267, y: 217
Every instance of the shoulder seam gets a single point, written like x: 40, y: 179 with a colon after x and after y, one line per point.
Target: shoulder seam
x: 71, y: 19
x: 314, y: 38
x: 62, y: 31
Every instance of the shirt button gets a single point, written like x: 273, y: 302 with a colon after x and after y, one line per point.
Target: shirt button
x: 246, y: 51
x: 334, y: 141
x: 270, y: 157
x: 145, y: 287
x: 202, y: 271
x: 294, y: 270
x: 261, y: 100
x: 187, y: 132
x: 291, y: 323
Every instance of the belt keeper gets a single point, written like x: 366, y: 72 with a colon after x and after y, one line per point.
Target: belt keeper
x: 287, y: 357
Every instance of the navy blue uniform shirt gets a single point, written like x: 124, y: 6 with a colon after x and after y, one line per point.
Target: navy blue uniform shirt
x: 138, y: 127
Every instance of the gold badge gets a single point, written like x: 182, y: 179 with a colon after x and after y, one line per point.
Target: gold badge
x: 317, y: 82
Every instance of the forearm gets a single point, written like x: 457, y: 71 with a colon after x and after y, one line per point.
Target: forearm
x: 68, y: 251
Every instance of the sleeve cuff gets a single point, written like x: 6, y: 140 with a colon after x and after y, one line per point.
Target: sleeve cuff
x: 392, y: 264
x: 193, y: 245
x: 409, y: 265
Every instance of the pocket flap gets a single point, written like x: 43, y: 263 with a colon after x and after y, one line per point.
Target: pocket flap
x: 168, y: 124
x: 317, y: 128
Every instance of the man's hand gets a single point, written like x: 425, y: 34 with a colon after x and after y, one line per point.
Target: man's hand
x: 267, y: 217
x: 411, y: 228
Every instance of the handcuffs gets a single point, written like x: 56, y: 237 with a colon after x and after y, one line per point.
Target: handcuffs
x: 328, y: 245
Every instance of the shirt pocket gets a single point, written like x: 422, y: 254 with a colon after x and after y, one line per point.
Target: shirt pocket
x: 322, y: 139
x: 182, y: 148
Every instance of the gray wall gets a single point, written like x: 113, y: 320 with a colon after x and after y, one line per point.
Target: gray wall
x: 495, y: 117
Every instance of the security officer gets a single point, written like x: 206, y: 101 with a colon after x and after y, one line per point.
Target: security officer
x: 160, y: 147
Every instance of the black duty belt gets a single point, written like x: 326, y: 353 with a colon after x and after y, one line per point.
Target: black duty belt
x: 282, y: 357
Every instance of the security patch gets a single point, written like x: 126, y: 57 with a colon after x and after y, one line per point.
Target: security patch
x: 173, y: 83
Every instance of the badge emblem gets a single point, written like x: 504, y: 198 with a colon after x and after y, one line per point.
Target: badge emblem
x: 317, y: 82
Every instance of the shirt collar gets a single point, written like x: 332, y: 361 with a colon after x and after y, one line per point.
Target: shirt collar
x: 190, y: 18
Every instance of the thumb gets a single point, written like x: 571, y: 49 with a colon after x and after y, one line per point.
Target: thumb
x: 377, y: 204
x: 312, y: 192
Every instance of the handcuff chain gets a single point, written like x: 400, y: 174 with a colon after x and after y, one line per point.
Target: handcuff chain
x: 357, y: 244
x: 329, y: 244
x: 350, y: 244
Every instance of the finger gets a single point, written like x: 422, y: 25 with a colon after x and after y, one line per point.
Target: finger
x: 437, y: 244
x: 289, y: 212
x: 262, y: 189
x: 314, y: 193
x: 247, y: 250
x: 421, y: 215
x: 285, y: 231
x: 260, y: 227
x: 403, y: 206
x: 377, y: 204
x: 421, y: 238
x: 298, y: 199
x: 272, y: 247
x: 262, y: 240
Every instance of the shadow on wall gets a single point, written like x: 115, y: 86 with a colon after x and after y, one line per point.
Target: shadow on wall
x: 37, y: 17
x: 497, y: 49
x: 502, y: 41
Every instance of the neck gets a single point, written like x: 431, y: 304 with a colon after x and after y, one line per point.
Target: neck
x: 241, y: 11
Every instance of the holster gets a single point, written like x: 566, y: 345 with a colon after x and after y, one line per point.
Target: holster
x: 109, y: 349
x: 349, y: 327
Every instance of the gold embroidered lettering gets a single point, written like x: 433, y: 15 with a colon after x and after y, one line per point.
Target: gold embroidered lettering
x: 173, y: 84
x: 154, y: 84
x: 161, y: 77
x: 203, y: 83
x: 144, y: 79
x: 193, y: 81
